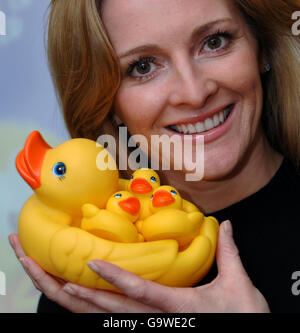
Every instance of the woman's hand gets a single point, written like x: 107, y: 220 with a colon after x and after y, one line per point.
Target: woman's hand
x: 231, y: 291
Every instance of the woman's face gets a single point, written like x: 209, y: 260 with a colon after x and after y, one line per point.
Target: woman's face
x: 189, y: 67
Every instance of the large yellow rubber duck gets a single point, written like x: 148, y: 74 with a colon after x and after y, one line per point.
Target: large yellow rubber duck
x: 64, y: 179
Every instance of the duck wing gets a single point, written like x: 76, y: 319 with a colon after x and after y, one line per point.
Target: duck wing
x: 72, y: 248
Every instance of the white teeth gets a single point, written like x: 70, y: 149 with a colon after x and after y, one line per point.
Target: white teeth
x: 191, y: 129
x: 184, y: 129
x: 216, y: 120
x: 221, y: 117
x: 209, y: 123
x: 200, y: 127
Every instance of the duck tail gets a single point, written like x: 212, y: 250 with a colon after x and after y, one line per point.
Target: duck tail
x: 89, y: 210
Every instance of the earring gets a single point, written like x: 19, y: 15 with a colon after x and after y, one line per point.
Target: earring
x: 267, y: 68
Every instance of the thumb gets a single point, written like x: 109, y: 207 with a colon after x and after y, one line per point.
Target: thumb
x: 228, y: 260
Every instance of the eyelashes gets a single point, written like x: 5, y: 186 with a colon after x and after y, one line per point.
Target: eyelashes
x: 220, y: 34
x: 143, y: 62
x: 138, y: 62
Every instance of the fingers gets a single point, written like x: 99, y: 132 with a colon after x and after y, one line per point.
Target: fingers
x: 15, y: 244
x: 47, y: 284
x: 73, y: 297
x: 159, y: 297
x: 111, y: 302
x: 227, y: 256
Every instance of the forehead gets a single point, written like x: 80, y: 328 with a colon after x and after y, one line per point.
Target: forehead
x: 135, y: 22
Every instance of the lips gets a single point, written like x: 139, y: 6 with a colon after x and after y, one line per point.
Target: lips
x: 162, y: 198
x: 140, y: 186
x: 130, y: 205
x: 212, y: 134
x: 203, y: 123
x: 30, y: 159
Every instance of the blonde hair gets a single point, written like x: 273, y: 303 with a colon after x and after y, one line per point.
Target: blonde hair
x: 83, y: 65
x: 86, y: 71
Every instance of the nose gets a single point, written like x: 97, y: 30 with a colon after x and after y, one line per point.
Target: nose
x: 192, y: 84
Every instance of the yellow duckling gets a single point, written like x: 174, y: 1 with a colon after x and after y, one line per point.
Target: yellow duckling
x: 142, y: 184
x: 166, y: 197
x: 169, y: 220
x: 116, y: 221
x: 124, y: 204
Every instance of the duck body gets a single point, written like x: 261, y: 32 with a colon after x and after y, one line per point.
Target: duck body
x: 70, y: 191
x: 172, y: 224
x: 171, y: 218
x: 116, y: 221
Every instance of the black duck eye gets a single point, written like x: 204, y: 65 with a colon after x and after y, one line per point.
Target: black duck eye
x: 173, y: 192
x: 59, y: 169
x: 153, y: 179
x: 118, y: 195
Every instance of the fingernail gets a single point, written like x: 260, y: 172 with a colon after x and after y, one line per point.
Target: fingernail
x: 228, y: 228
x: 93, y: 266
x: 69, y: 290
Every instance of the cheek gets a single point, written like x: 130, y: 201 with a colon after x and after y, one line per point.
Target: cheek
x: 138, y: 107
x: 239, y: 76
x: 246, y: 82
x: 239, y: 72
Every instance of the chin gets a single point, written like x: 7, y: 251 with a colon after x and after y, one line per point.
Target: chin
x: 220, y: 165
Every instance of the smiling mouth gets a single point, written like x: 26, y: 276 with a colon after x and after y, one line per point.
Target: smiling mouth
x: 207, y: 124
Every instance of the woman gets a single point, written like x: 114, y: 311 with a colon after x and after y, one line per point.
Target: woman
x: 226, y: 69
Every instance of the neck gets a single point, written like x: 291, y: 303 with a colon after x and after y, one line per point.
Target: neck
x: 258, y: 166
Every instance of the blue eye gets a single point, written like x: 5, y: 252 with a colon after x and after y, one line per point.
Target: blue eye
x: 153, y: 179
x: 59, y: 169
x: 173, y: 192
x: 118, y: 195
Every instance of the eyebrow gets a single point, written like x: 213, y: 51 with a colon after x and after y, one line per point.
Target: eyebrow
x: 155, y: 48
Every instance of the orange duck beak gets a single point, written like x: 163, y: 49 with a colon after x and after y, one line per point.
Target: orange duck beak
x: 30, y: 159
x: 140, y: 186
x: 162, y: 198
x: 130, y: 205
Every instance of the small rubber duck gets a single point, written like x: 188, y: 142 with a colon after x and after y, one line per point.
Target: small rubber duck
x: 165, y: 197
x: 168, y: 197
x: 125, y: 204
x: 142, y: 184
x: 169, y: 220
x: 115, y: 222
